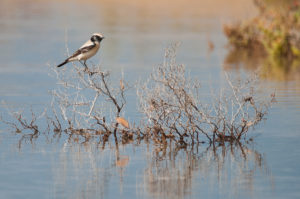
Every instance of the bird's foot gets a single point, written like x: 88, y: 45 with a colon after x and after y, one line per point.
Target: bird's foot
x: 87, y: 70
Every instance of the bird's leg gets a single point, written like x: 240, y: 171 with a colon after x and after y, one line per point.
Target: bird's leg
x: 81, y: 62
x: 87, y: 69
x: 84, y: 64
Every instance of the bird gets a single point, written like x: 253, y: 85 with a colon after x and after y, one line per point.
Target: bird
x: 86, y: 51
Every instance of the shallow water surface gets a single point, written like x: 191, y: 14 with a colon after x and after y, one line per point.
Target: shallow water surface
x: 37, y: 34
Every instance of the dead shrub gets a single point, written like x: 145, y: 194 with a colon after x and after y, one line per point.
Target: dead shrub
x: 171, y: 103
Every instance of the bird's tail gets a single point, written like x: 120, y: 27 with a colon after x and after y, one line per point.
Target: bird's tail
x: 66, y: 61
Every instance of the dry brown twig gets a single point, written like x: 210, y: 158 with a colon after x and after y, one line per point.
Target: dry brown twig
x: 29, y: 127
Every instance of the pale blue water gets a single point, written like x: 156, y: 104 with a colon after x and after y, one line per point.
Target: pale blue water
x: 33, y: 34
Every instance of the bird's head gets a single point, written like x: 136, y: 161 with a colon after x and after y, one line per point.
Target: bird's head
x: 97, y: 37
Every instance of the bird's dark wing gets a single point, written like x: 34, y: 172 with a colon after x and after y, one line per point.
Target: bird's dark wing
x: 82, y: 50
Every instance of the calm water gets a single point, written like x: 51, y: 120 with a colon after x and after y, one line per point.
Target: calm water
x: 34, y: 34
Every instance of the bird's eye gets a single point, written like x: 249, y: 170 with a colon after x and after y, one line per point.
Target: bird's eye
x: 99, y: 38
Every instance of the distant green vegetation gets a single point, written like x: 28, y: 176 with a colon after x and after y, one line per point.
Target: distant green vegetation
x: 273, y: 34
